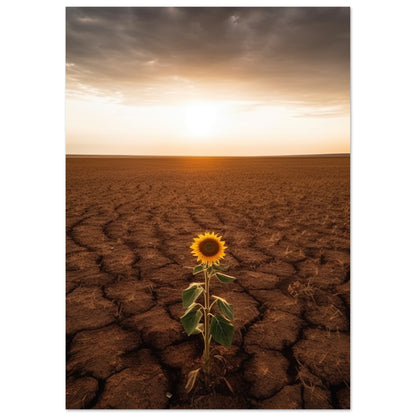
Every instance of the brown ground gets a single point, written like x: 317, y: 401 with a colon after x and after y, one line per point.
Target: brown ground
x: 130, y: 223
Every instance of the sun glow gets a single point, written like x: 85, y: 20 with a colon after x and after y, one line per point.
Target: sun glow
x: 201, y: 120
x: 203, y: 127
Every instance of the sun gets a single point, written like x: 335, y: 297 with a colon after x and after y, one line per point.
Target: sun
x: 201, y: 120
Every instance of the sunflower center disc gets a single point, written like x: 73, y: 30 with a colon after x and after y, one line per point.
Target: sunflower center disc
x: 209, y: 247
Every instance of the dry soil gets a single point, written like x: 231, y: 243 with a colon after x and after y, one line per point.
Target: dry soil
x: 130, y: 222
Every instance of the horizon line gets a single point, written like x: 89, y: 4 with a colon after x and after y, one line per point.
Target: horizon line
x: 86, y: 155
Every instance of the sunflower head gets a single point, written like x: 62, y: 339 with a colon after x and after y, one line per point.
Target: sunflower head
x: 208, y: 248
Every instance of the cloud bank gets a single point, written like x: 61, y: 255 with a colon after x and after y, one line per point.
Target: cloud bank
x: 144, y: 56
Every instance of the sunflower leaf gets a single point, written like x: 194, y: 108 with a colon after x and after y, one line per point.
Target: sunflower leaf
x: 190, y: 320
x: 190, y: 294
x: 222, y: 330
x: 221, y: 267
x: 192, y: 376
x: 228, y: 385
x: 225, y: 308
x: 199, y: 329
x: 225, y: 278
x: 198, y: 269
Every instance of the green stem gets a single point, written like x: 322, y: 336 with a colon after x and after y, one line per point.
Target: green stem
x: 206, y: 329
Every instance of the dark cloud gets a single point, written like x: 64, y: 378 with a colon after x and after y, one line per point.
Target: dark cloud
x: 270, y: 54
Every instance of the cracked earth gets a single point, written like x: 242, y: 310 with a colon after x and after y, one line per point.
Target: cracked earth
x: 130, y: 222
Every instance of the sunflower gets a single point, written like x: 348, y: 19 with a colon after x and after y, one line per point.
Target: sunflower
x: 208, y: 248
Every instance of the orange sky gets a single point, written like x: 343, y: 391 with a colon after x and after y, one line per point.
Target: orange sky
x: 216, y: 81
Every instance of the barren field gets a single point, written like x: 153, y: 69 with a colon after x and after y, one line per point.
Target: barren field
x: 130, y: 222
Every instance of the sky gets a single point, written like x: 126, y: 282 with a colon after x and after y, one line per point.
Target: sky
x: 207, y: 81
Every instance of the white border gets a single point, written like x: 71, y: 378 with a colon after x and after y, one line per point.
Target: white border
x: 33, y: 203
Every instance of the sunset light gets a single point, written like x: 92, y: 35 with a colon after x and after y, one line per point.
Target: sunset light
x: 207, y: 81
x: 202, y: 120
